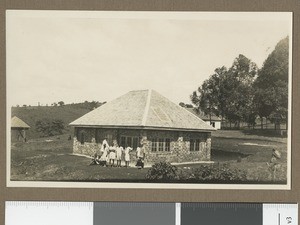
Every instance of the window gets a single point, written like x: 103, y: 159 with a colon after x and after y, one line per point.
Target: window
x: 167, y: 144
x: 160, y: 144
x: 213, y: 124
x: 154, y: 145
x: 194, y: 145
x: 123, y: 142
x: 135, y: 142
x: 126, y: 141
x: 82, y: 138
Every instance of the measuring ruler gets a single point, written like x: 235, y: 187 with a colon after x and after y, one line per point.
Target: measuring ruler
x: 129, y: 213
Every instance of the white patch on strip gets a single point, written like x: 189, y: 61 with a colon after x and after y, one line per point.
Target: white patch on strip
x: 146, y: 108
x: 178, y: 214
x: 49, y: 213
x: 280, y: 214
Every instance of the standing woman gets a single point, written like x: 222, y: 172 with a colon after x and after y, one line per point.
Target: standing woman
x: 127, y: 156
x: 103, y: 158
x: 104, y: 145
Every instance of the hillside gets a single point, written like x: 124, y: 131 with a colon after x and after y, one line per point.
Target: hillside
x: 66, y: 113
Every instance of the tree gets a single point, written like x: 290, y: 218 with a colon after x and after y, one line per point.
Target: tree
x: 271, y: 85
x: 239, y: 100
x: 209, y: 97
x: 228, y: 93
x: 182, y: 104
x: 60, y: 103
x: 49, y: 127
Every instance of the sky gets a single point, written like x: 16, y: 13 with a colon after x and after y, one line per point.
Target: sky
x: 78, y: 56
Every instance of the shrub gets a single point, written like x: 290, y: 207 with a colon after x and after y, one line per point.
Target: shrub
x: 162, y: 171
x: 215, y: 173
x: 47, y: 127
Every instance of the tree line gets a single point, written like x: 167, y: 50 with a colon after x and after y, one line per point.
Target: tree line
x: 244, y: 92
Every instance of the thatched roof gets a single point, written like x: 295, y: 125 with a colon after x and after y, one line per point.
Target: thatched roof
x: 203, y: 116
x: 142, y: 109
x: 18, y: 123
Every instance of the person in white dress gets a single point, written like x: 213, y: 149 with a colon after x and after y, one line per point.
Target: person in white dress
x: 104, y: 145
x: 112, y: 155
x: 119, y: 151
x: 127, y: 155
x: 103, y: 158
x: 140, y: 157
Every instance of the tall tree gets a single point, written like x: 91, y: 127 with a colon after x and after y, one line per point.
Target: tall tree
x: 209, y: 97
x: 271, y: 85
x: 240, y: 95
x: 228, y: 93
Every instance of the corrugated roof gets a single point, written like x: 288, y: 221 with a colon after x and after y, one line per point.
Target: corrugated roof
x: 18, y: 123
x: 202, y: 115
x: 142, y: 108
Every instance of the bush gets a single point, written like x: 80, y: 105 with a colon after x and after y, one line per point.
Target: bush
x: 47, y: 127
x: 215, y: 173
x: 162, y: 171
x: 212, y: 173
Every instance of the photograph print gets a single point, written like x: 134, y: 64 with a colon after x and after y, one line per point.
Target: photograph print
x: 149, y: 99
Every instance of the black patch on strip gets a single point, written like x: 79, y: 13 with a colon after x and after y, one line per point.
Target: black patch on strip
x: 221, y: 214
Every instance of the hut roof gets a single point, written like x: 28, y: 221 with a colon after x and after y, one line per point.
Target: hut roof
x: 142, y: 109
x: 202, y: 115
x: 18, y: 123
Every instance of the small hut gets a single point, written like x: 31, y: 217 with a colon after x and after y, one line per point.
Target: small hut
x: 164, y: 130
x: 18, y: 129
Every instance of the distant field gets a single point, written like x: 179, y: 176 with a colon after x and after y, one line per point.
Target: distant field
x: 50, y: 159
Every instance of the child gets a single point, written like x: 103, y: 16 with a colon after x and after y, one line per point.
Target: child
x: 127, y: 156
x: 140, y: 157
x: 112, y: 156
x: 140, y: 163
x: 119, y: 151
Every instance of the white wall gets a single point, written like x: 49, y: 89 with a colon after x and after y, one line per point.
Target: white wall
x: 217, y: 124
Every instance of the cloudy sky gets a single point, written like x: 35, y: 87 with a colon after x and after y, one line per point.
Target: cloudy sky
x: 78, y: 56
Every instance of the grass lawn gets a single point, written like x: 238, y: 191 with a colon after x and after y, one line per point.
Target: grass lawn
x: 51, y: 159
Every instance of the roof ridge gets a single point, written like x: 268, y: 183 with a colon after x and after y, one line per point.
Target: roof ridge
x: 146, y: 112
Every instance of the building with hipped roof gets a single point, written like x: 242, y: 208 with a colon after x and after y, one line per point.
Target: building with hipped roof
x: 18, y: 129
x: 164, y: 130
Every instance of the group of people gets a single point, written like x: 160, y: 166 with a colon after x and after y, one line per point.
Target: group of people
x: 111, y: 154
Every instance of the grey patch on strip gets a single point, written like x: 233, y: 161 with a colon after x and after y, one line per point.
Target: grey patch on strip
x: 221, y: 213
x: 123, y: 213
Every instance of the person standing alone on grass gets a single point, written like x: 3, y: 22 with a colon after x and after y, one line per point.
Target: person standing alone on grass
x: 127, y: 155
x: 274, y: 164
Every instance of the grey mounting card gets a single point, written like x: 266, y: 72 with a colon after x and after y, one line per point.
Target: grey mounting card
x: 157, y: 100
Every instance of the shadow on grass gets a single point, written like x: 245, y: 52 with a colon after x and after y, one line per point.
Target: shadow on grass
x: 220, y: 155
